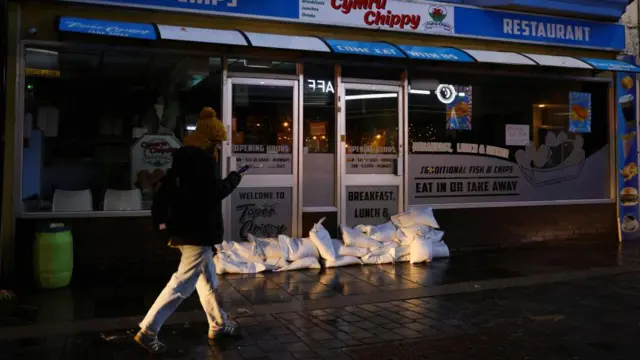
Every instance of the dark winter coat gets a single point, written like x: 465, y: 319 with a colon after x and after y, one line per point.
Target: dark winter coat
x: 189, y: 199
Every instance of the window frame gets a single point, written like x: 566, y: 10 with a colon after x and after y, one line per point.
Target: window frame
x: 602, y: 77
x: 413, y: 65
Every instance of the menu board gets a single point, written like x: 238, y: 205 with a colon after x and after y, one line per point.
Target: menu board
x: 371, y: 205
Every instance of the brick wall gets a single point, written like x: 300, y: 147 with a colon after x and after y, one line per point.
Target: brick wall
x: 117, y: 244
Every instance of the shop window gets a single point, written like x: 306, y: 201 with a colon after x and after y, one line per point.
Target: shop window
x: 319, y: 155
x: 262, y: 128
x: 371, y: 128
x: 100, y: 125
x: 485, y: 138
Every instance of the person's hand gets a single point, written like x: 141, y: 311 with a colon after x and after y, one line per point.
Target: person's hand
x: 162, y: 227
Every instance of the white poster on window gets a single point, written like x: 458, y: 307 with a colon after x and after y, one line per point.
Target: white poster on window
x: 516, y: 135
x: 151, y: 156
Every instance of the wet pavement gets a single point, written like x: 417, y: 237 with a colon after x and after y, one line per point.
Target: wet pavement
x: 120, y: 295
x: 595, y: 318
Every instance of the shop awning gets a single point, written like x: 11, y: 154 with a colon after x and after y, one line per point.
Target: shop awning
x: 107, y: 28
x: 435, y: 53
x: 348, y: 47
x: 500, y: 57
x: 611, y: 65
x: 558, y: 61
x: 305, y: 43
x: 210, y: 36
x: 365, y: 48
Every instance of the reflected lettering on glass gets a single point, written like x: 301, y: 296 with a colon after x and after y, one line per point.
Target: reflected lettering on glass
x: 321, y: 85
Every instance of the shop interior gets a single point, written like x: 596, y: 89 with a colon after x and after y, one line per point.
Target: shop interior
x: 82, y: 122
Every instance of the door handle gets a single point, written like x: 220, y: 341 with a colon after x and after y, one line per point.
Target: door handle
x: 398, y: 165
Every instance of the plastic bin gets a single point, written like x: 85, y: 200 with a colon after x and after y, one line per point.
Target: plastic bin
x: 53, y: 256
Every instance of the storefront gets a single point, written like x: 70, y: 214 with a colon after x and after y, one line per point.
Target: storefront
x: 503, y: 122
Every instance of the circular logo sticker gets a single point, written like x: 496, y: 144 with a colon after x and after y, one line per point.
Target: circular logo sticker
x: 446, y: 93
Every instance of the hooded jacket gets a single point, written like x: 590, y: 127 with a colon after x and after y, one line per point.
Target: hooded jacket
x: 189, y: 200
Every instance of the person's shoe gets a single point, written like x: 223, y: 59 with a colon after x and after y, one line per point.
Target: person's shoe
x: 150, y: 342
x: 229, y: 329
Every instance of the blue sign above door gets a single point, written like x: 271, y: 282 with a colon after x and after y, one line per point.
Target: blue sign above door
x: 436, y: 53
x: 108, y: 28
x: 420, y: 18
x: 364, y: 48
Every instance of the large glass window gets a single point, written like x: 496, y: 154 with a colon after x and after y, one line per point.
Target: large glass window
x: 489, y: 138
x: 371, y: 128
x: 100, y: 124
x: 262, y: 128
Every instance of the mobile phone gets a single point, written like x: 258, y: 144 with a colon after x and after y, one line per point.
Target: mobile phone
x: 244, y: 169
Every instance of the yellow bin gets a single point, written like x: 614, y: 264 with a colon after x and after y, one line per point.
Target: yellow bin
x: 53, y: 256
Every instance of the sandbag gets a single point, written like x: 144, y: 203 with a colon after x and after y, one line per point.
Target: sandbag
x: 342, y: 261
x: 267, y: 248
x: 296, y: 249
x: 402, y: 252
x: 352, y: 251
x: 374, y: 259
x: 234, y: 256
x: 226, y: 266
x: 405, y: 235
x: 434, y: 235
x: 343, y: 250
x: 440, y: 250
x: 355, y: 238
x: 384, y: 249
x: 415, y: 216
x: 322, y: 240
x: 383, y: 233
x: 273, y: 264
x: 365, y: 229
x: 305, y: 263
x: 421, y: 250
x: 241, y: 252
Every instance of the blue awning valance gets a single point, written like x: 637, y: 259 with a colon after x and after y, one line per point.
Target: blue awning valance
x: 347, y: 47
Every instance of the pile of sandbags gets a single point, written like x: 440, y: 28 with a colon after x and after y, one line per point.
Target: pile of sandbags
x: 265, y: 254
x: 412, y: 236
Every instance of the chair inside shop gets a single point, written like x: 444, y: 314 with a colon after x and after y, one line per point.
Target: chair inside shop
x: 65, y: 201
x: 122, y: 200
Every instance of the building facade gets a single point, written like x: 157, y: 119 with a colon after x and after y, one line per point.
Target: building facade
x: 503, y: 121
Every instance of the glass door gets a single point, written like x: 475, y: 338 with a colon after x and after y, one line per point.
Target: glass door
x: 370, y: 134
x: 261, y: 116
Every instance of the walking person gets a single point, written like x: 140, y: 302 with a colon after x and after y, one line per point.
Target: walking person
x: 188, y: 208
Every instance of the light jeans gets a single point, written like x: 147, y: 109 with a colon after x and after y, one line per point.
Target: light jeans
x: 196, y: 271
